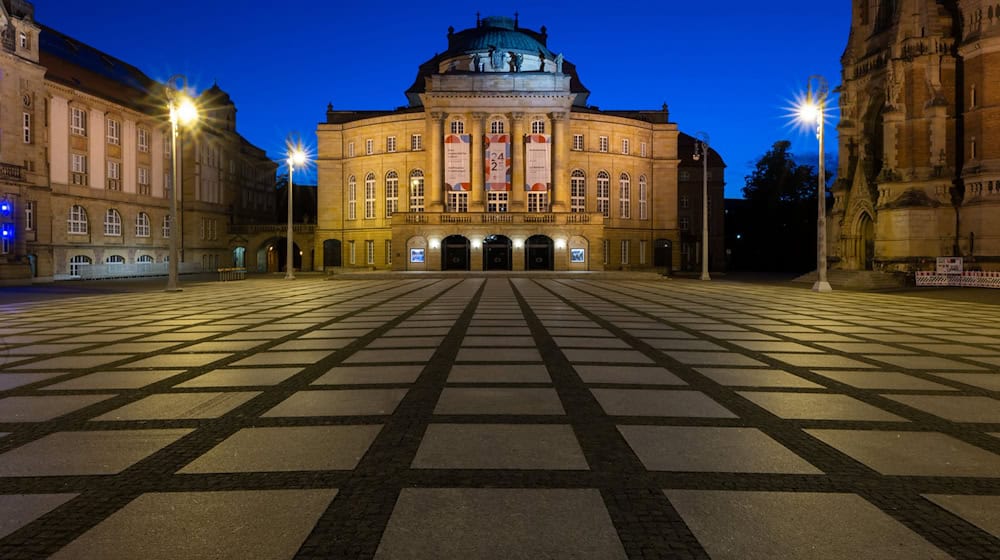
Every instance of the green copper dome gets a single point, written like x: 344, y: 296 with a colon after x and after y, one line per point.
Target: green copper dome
x: 500, y: 33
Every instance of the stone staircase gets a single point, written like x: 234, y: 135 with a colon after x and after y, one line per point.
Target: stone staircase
x: 861, y: 280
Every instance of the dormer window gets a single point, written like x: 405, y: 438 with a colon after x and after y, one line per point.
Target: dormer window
x: 457, y: 127
x: 497, y: 127
x: 24, y: 40
x: 538, y: 127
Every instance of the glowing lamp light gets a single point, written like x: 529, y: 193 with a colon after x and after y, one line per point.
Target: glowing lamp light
x: 560, y: 243
x: 476, y: 244
x: 187, y: 112
x: 435, y: 243
x: 518, y: 243
x: 6, y: 232
x: 6, y: 207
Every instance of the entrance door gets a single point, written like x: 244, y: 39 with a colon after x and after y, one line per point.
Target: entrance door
x: 868, y: 241
x: 331, y: 253
x: 456, y: 253
x: 663, y: 255
x: 497, y: 250
x: 538, y: 253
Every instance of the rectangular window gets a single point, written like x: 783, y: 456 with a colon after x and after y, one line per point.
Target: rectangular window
x: 351, y: 254
x: 165, y: 229
x: 685, y: 223
x: 29, y: 216
x: 5, y: 244
x: 684, y: 175
x: 607, y: 251
x: 78, y: 121
x: 416, y: 194
x: 369, y: 147
x: 114, y: 132
x: 643, y: 200
x: 352, y: 199
x: 24, y: 40
x: 390, y: 144
x: 391, y: 194
x: 685, y: 202
x: 578, y: 194
x: 370, y: 198
x: 625, y: 146
x: 416, y: 142
x: 78, y: 169
x: 144, y: 187
x: 26, y: 128
x: 143, y: 140
x: 642, y: 149
x: 624, y: 251
x: 578, y: 142
x: 370, y: 252
x: 458, y: 201
x: 388, y: 251
x: 497, y: 201
x: 114, y: 176
x: 604, y: 195
x: 642, y: 251
x: 350, y: 149
x: 538, y: 202
x: 603, y: 144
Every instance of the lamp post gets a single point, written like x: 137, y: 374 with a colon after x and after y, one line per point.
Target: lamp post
x: 296, y: 156
x: 182, y: 112
x: 812, y: 110
x: 701, y: 153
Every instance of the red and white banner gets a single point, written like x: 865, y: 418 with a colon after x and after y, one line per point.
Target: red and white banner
x: 497, y: 162
x: 537, y: 162
x: 457, y: 166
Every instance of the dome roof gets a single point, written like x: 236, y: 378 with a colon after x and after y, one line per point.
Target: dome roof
x: 497, y: 32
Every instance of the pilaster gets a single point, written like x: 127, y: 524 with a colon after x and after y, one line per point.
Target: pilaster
x: 517, y: 199
x: 560, y: 157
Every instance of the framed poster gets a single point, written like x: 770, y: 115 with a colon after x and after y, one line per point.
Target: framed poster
x: 416, y: 255
x: 577, y: 255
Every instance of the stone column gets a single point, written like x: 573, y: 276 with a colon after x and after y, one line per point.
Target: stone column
x: 478, y: 172
x: 560, y: 157
x: 517, y: 196
x: 434, y: 186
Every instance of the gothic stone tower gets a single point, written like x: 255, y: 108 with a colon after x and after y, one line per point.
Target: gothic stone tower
x: 919, y: 135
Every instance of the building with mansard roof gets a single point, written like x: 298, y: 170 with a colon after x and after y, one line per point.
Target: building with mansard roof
x: 919, y: 136
x: 497, y: 162
x: 85, y: 164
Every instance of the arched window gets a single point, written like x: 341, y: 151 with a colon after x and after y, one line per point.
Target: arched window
x: 352, y: 198
x: 77, y: 262
x: 144, y: 259
x: 114, y: 260
x: 497, y: 126
x: 538, y: 127
x: 391, y: 193
x: 643, y: 198
x: 458, y: 126
x: 578, y: 191
x: 142, y: 225
x: 416, y: 191
x: 112, y: 223
x: 604, y: 193
x: 624, y: 196
x: 77, y: 220
x: 370, y: 196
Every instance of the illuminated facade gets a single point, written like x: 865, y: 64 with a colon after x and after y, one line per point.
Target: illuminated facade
x: 85, y: 161
x: 919, y: 136
x: 498, y: 163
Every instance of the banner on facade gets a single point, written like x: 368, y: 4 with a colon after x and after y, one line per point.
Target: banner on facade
x: 537, y: 162
x: 457, y: 166
x: 497, y: 162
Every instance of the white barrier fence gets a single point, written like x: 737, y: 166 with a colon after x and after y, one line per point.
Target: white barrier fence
x: 971, y: 279
x: 136, y: 270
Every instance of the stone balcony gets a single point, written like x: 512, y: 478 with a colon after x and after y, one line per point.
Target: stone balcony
x: 11, y: 172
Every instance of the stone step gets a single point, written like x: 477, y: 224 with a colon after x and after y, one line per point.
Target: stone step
x: 864, y: 280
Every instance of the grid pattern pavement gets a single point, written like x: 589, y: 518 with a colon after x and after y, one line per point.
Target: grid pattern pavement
x: 508, y: 417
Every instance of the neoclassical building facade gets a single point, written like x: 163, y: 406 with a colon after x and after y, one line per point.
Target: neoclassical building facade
x: 498, y: 163
x: 919, y: 136
x: 85, y: 163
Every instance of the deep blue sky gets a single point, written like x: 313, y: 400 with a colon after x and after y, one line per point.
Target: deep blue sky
x: 726, y: 67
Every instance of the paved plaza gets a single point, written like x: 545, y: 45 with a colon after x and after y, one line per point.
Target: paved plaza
x: 505, y: 417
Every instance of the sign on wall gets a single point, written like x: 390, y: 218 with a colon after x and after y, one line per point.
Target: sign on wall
x: 457, y: 166
x: 949, y: 265
x: 537, y: 162
x: 497, y: 162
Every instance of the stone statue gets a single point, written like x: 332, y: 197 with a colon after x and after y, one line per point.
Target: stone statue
x: 541, y: 61
x: 477, y: 63
x: 496, y: 58
x: 559, y: 63
x: 515, y: 60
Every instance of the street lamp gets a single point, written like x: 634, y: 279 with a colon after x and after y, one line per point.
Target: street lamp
x: 812, y: 110
x: 701, y: 153
x: 296, y: 156
x: 182, y: 112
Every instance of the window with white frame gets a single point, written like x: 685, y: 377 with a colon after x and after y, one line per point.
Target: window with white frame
x: 416, y: 191
x: 369, y: 147
x: 24, y: 40
x: 642, y: 251
x: 26, y: 128
x: 643, y: 198
x: 78, y: 169
x: 350, y: 149
x: 624, y: 196
x: 388, y: 251
x: 29, y: 216
x: 624, y: 251
x: 168, y: 184
x: 143, y: 140
x: 370, y: 196
x: 77, y: 262
x: 391, y: 193
x: 497, y: 201
x: 458, y: 201
x: 78, y: 121
x: 578, y: 191
x: 114, y: 262
x: 112, y: 223
x: 351, y: 253
x: 604, y: 193
x: 578, y: 142
x: 642, y: 149
x: 458, y: 126
x: 352, y: 198
x: 607, y: 251
x: 538, y: 202
x: 370, y: 252
x: 497, y: 126
x: 625, y: 146
x: 602, y: 144
x: 144, y: 259
x: 114, y: 132
x: 77, y: 223
x: 390, y: 144
x: 416, y: 142
x: 114, y: 175
x: 143, y: 176
x: 5, y: 245
x: 538, y: 126
x: 684, y: 223
x: 165, y: 228
x: 142, y: 225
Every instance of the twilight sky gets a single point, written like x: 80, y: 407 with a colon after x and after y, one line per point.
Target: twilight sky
x: 726, y: 67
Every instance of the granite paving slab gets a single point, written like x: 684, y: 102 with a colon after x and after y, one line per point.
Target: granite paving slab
x: 912, y: 453
x: 85, y: 453
x: 499, y: 446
